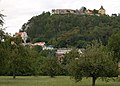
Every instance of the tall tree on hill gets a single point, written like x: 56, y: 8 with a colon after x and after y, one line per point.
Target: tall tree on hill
x: 95, y: 62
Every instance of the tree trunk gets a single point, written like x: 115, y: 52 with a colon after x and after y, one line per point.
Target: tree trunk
x: 14, y: 76
x: 93, y: 81
x: 119, y: 69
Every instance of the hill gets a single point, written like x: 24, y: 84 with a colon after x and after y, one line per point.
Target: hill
x: 71, y: 30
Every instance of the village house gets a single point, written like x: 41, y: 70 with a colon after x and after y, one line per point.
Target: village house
x: 89, y: 12
x: 50, y: 47
x: 42, y: 44
x: 62, y: 51
x: 23, y: 35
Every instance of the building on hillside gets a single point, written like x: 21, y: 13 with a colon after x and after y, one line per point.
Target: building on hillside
x: 23, y: 35
x: 101, y: 11
x: 81, y: 11
x: 114, y: 15
x: 69, y: 11
x: 42, y: 44
x: 118, y: 14
x: 44, y: 47
x: 89, y: 12
x: 61, y: 52
x: 50, y: 47
x: 64, y: 11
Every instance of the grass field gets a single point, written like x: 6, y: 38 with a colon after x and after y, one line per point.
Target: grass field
x: 47, y: 81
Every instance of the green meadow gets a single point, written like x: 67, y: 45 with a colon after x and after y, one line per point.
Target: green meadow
x: 47, y: 81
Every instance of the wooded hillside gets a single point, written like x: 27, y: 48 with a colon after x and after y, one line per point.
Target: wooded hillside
x: 71, y: 30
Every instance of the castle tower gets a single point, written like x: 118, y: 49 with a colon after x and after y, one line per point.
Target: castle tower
x: 101, y: 11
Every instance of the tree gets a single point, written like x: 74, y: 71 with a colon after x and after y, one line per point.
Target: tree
x: 3, y: 51
x: 14, y: 57
x: 72, y: 55
x: 22, y: 59
x: 95, y: 62
x: 1, y: 19
x: 114, y: 45
x: 47, y: 53
x: 2, y: 33
x: 37, y: 48
x: 50, y: 66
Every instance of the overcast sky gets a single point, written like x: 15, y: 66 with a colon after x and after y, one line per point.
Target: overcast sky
x: 19, y: 12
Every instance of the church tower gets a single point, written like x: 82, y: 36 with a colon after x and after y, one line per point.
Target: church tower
x: 101, y: 11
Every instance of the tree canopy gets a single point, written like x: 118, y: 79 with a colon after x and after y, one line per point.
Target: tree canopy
x: 95, y: 62
x: 71, y: 30
x: 114, y: 45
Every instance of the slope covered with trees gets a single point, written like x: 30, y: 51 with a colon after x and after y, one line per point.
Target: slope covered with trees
x: 63, y: 31
x: 71, y: 30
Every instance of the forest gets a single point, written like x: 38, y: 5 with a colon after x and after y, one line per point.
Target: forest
x: 71, y: 30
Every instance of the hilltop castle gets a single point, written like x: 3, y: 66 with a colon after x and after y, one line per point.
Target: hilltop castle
x: 82, y: 11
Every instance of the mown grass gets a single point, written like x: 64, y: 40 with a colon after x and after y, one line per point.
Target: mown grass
x: 47, y: 81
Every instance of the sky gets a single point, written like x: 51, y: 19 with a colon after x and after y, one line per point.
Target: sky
x: 19, y: 12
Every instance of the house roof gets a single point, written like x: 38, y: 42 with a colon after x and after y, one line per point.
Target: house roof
x: 40, y: 43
